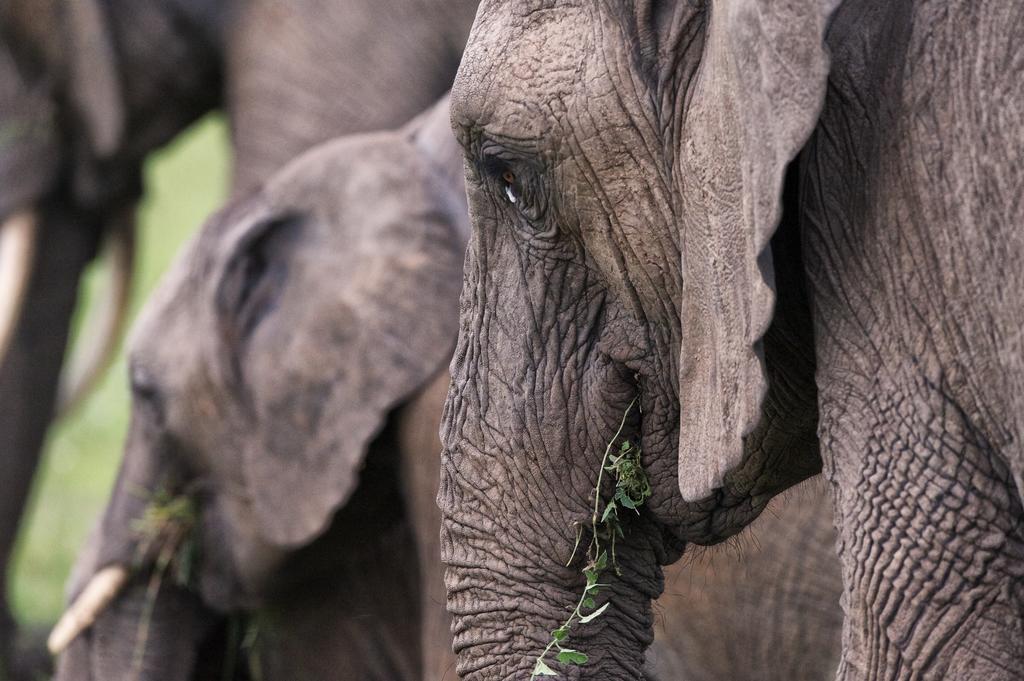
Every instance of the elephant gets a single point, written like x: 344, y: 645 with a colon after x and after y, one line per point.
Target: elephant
x: 279, y: 477
x: 719, y: 246
x: 89, y: 88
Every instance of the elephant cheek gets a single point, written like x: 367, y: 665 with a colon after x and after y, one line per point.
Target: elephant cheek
x: 237, y: 563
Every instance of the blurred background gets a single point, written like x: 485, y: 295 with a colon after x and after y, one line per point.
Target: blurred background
x: 185, y: 181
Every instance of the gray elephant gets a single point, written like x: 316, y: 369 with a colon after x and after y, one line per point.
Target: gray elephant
x: 282, y: 460
x: 89, y: 88
x: 717, y: 246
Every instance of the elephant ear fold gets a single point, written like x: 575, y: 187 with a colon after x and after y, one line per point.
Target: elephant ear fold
x: 359, y: 312
x: 95, y: 84
x: 755, y: 102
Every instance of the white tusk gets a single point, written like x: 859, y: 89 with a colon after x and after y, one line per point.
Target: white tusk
x: 17, y: 254
x: 96, y: 349
x: 101, y: 590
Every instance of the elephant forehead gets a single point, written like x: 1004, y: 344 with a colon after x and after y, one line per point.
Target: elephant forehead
x: 523, y: 72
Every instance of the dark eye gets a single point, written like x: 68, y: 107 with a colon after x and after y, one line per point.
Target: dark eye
x: 521, y: 186
x: 145, y: 391
x: 511, y: 188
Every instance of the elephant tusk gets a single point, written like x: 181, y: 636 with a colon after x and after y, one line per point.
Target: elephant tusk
x: 101, y: 590
x: 99, y: 344
x: 17, y: 253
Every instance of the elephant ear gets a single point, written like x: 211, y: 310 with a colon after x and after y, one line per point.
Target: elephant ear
x: 755, y: 102
x: 94, y: 81
x: 337, y: 314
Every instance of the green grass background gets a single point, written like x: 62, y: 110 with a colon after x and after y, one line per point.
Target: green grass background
x: 184, y: 183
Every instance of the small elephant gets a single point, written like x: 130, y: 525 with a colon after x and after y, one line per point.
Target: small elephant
x: 739, y: 242
x: 282, y: 458
x: 89, y: 88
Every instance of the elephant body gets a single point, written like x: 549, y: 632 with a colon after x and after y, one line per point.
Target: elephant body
x: 88, y: 89
x: 748, y: 240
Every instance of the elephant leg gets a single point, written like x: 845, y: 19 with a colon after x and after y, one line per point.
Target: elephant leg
x: 916, y: 288
x: 931, y: 542
x: 29, y: 375
x: 421, y: 460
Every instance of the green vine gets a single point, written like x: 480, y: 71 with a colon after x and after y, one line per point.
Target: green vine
x: 632, y: 489
x: 166, y: 535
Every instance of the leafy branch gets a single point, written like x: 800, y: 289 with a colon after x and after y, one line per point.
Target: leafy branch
x: 632, y: 489
x: 167, y: 538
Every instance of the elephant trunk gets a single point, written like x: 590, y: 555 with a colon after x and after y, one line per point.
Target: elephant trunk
x: 135, y: 612
x: 30, y: 368
x: 509, y: 588
x: 153, y: 631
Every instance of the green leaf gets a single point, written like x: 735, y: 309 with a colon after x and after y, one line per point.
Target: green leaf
x: 569, y: 656
x: 594, y: 615
x: 608, y: 510
x: 560, y: 634
x: 588, y: 602
x: 542, y: 669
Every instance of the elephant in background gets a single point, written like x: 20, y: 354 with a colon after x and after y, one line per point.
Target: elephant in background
x: 764, y: 609
x: 287, y: 378
x: 89, y: 88
x: 787, y: 234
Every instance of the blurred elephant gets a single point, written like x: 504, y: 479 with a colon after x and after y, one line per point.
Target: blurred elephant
x: 88, y: 88
x: 764, y: 608
x: 282, y: 459
x: 790, y: 233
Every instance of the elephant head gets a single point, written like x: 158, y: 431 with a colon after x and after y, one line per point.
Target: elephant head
x: 625, y: 290
x: 263, y: 373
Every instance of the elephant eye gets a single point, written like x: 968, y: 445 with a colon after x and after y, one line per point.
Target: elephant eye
x: 511, y: 190
x: 143, y: 385
x: 146, y: 394
x: 524, y: 192
x: 519, y: 183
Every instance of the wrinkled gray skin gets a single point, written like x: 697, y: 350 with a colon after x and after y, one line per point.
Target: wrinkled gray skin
x: 761, y: 245
x: 289, y: 374
x: 88, y: 89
